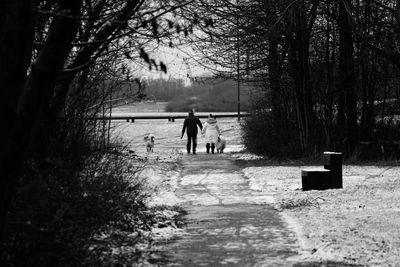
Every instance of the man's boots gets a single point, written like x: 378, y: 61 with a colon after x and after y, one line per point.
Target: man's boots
x: 188, y: 149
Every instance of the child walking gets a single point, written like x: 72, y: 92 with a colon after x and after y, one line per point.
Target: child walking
x: 211, y: 132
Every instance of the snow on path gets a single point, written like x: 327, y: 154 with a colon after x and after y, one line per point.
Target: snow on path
x: 228, y: 224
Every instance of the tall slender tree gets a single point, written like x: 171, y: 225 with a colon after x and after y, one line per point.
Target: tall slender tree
x: 299, y: 24
x: 346, y: 77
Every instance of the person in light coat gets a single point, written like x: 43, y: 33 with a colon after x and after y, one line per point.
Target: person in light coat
x: 211, y: 132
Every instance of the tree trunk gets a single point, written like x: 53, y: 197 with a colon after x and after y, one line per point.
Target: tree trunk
x: 275, y: 77
x: 89, y: 53
x: 329, y: 64
x: 298, y: 38
x: 16, y: 31
x: 36, y: 94
x: 346, y: 79
x: 363, y: 59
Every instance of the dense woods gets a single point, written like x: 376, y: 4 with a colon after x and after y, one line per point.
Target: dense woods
x: 326, y: 68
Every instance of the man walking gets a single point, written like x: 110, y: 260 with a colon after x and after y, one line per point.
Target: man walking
x: 190, y: 126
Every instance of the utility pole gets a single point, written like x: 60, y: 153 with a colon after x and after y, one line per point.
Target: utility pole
x: 238, y: 61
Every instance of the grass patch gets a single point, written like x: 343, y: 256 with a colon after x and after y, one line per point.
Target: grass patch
x: 291, y: 204
x: 61, y: 218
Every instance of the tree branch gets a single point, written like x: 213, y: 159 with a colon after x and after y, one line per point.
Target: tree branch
x: 379, y: 4
x: 393, y: 56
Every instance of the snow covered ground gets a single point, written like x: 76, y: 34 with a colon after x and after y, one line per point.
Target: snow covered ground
x: 358, y: 224
x: 167, y: 136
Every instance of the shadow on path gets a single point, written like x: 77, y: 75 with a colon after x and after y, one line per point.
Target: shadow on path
x: 227, y: 224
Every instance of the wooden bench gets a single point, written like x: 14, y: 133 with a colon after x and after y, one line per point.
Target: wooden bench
x: 329, y: 177
x: 315, y: 179
x: 333, y: 162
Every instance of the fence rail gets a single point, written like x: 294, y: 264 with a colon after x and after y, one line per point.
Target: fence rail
x: 171, y: 116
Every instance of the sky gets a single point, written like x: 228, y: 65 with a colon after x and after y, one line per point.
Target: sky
x: 179, y: 63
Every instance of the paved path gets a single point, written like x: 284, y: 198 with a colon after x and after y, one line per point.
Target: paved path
x: 228, y: 224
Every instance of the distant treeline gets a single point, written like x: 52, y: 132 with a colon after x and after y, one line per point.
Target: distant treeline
x: 208, y: 95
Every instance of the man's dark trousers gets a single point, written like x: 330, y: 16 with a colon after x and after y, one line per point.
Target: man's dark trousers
x: 191, y: 139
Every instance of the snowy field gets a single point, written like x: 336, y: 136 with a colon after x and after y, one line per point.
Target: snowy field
x: 167, y: 135
x: 359, y: 224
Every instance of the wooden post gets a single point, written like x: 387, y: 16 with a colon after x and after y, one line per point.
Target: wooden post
x: 333, y: 162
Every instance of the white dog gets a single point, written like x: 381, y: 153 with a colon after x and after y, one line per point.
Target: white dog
x: 221, y: 144
x: 149, y: 140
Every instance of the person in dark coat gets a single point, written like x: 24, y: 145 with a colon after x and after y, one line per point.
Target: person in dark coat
x: 190, y: 126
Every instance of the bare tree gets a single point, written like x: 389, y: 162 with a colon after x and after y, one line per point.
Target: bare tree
x: 45, y: 44
x: 299, y: 24
x: 347, y: 106
x: 27, y: 110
